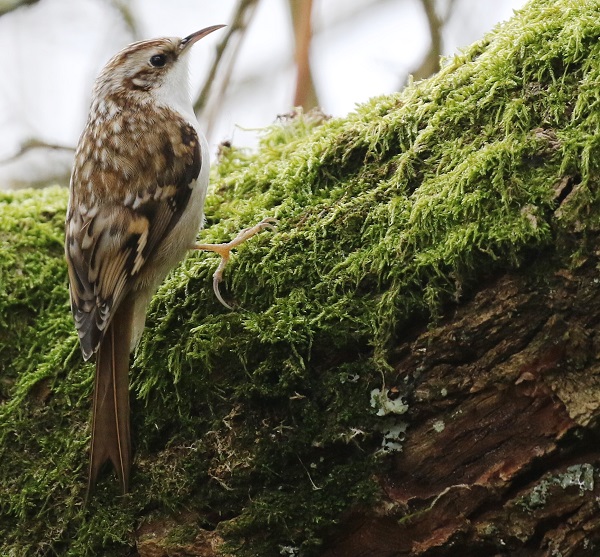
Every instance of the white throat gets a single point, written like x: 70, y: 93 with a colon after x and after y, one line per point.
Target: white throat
x: 174, y: 92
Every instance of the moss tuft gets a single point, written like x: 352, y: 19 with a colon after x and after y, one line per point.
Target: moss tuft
x: 259, y: 420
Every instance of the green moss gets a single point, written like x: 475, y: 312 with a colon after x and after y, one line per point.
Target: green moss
x: 259, y: 420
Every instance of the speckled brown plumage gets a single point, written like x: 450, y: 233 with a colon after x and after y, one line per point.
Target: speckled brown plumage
x: 124, y: 203
x: 136, y: 204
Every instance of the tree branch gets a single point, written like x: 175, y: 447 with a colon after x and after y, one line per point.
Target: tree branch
x: 32, y: 144
x: 211, y: 95
x: 10, y: 5
x: 305, y: 94
x: 431, y: 62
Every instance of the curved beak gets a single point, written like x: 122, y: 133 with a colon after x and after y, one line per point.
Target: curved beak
x: 191, y: 39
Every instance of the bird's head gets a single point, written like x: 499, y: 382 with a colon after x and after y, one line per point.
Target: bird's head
x: 156, y: 68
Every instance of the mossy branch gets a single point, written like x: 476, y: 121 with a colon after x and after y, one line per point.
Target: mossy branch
x: 387, y: 218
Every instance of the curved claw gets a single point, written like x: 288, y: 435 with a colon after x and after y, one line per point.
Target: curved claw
x: 224, y: 250
x: 269, y: 222
x: 217, y: 278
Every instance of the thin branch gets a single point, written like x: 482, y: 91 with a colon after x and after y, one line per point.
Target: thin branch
x: 32, y: 144
x: 305, y: 94
x: 449, y: 10
x: 226, y: 54
x: 431, y: 62
x: 128, y: 17
x: 10, y: 5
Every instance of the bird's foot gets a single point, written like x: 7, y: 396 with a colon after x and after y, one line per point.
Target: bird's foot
x: 224, y: 250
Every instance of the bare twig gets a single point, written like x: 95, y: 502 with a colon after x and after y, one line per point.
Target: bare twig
x: 10, y: 5
x: 436, y: 22
x: 128, y: 17
x: 305, y: 94
x: 32, y: 144
x: 211, y: 95
x: 431, y: 62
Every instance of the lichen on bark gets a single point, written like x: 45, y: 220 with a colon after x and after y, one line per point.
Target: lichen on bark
x: 257, y: 423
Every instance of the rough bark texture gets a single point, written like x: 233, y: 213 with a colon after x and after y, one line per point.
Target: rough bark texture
x: 501, y: 454
x: 412, y: 366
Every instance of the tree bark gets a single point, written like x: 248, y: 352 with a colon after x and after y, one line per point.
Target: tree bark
x: 501, y: 453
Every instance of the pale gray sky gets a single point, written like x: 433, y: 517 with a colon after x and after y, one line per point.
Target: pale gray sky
x: 360, y: 49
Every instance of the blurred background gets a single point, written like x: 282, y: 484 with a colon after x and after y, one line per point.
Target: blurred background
x: 274, y: 55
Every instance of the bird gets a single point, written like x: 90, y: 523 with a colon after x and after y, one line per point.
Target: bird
x: 136, y: 199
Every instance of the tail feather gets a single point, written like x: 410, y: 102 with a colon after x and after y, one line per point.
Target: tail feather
x: 110, y: 419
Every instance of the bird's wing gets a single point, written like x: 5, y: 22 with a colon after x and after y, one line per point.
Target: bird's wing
x: 109, y: 240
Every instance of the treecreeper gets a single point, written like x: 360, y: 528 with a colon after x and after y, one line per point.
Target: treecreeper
x: 135, y: 207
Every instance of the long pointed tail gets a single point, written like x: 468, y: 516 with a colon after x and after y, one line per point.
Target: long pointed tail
x: 110, y: 419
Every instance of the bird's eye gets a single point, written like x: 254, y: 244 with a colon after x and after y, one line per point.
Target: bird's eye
x: 158, y: 60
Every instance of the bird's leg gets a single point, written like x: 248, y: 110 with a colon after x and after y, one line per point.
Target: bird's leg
x: 224, y: 250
